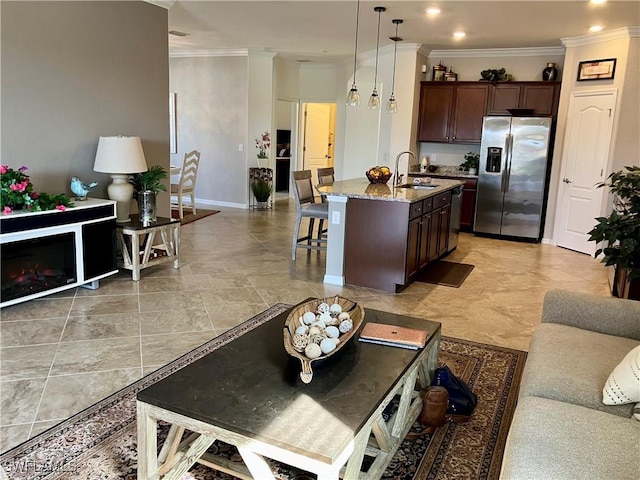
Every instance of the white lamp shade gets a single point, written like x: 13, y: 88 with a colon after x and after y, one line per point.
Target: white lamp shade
x: 120, y: 155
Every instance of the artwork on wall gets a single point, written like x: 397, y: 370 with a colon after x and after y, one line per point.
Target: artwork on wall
x: 173, y: 145
x: 597, y: 69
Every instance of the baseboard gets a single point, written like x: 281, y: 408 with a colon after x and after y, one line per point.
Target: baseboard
x: 547, y: 241
x: 215, y: 203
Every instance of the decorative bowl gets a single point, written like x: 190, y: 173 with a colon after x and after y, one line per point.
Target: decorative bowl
x: 379, y: 174
x: 294, y: 321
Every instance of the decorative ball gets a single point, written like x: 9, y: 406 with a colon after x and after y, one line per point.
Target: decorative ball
x: 343, y: 316
x: 335, y: 309
x: 323, y: 308
x: 314, y: 331
x: 320, y: 324
x: 332, y: 332
x: 313, y: 350
x: 302, y: 329
x: 345, y: 326
x: 309, y: 317
x: 300, y: 341
x: 327, y: 345
x: 316, y: 338
x: 325, y: 317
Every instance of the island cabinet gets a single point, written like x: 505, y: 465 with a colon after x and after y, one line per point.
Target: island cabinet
x: 452, y: 112
x: 541, y: 97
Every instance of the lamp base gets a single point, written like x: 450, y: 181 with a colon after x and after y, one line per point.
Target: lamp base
x: 122, y: 192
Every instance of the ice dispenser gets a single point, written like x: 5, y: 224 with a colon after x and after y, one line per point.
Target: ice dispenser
x: 494, y: 159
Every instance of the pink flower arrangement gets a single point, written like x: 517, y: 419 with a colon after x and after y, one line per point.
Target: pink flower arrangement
x: 16, y: 193
x: 263, y: 142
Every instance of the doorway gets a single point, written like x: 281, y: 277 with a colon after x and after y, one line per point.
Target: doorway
x: 318, y: 137
x: 585, y: 159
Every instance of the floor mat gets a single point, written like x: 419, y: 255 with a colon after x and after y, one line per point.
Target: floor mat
x: 449, y: 274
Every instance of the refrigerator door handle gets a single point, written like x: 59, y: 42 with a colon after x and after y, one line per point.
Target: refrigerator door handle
x: 508, y: 166
x: 503, y: 176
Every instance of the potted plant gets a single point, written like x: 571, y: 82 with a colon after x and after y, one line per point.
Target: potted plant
x: 621, y: 232
x: 145, y: 187
x: 263, y: 143
x: 471, y: 162
x: 262, y: 189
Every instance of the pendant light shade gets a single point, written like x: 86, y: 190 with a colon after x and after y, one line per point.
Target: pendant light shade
x: 353, y: 97
x: 374, y: 100
x: 392, y: 106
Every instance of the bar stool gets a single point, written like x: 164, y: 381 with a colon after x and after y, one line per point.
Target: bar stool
x: 306, y: 207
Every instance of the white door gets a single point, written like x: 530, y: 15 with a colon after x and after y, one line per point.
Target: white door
x: 318, y: 138
x: 585, y: 158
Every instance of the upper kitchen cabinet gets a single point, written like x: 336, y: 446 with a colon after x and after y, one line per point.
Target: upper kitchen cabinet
x: 451, y: 112
x: 541, y: 97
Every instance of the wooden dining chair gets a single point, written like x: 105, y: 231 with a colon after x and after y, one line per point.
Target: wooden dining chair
x: 187, y: 184
x: 306, y: 207
x: 325, y: 175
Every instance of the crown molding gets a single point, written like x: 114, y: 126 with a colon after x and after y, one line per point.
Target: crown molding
x: 607, y: 36
x: 162, y: 3
x: 219, y: 52
x: 495, y: 52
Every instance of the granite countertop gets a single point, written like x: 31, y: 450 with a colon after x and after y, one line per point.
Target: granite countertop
x: 444, y: 171
x: 361, y: 188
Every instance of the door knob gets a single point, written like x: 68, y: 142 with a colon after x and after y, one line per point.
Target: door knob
x: 566, y: 180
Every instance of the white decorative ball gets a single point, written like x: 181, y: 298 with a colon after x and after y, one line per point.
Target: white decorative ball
x: 343, y: 316
x: 332, y: 332
x: 309, y: 317
x: 319, y: 324
x: 314, y: 331
x: 325, y: 317
x: 323, y: 308
x: 302, y: 329
x: 316, y: 338
x: 345, y: 326
x: 313, y: 350
x: 327, y: 345
x: 300, y: 341
x: 335, y: 309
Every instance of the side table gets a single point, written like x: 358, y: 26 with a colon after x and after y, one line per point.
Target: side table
x: 141, y: 249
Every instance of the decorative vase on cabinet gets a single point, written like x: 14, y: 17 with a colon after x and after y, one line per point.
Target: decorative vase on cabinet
x: 550, y: 73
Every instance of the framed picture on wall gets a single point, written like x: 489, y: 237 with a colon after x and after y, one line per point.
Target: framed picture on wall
x: 597, y: 69
x: 173, y: 145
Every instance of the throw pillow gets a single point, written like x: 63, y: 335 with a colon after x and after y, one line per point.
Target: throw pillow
x: 623, y: 385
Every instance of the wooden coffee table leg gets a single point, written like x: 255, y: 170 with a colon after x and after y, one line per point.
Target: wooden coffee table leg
x: 147, y: 444
x: 257, y: 465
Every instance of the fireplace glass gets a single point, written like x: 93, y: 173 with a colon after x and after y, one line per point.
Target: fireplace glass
x: 39, y: 264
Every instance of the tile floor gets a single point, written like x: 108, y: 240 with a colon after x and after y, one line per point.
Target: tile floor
x: 62, y: 353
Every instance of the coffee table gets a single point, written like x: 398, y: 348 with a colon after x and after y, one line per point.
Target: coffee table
x: 248, y: 393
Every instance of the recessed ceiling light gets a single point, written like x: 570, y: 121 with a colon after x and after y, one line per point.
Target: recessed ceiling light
x: 178, y: 34
x: 459, y: 34
x: 597, y: 2
x: 595, y: 28
x: 432, y: 11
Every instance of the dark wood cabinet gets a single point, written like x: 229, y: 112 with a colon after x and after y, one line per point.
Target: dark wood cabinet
x: 541, y: 97
x: 452, y: 112
x: 413, y: 247
x: 444, y: 217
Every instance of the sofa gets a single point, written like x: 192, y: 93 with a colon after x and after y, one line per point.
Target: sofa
x: 561, y: 429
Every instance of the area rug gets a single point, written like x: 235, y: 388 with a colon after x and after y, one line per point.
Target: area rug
x: 449, y: 274
x: 100, y: 442
x: 190, y: 217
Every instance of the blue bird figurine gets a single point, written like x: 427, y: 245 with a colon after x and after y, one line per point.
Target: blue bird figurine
x: 80, y: 189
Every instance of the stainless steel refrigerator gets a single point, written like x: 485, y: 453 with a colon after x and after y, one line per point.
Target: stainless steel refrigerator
x: 512, y: 176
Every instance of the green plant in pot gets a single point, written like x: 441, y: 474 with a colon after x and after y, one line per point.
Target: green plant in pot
x: 620, y: 231
x: 471, y: 162
x: 262, y: 190
x: 145, y: 187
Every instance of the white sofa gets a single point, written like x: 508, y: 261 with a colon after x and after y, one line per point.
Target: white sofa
x: 561, y: 429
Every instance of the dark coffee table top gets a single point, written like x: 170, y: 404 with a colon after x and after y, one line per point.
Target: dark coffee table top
x: 252, y: 387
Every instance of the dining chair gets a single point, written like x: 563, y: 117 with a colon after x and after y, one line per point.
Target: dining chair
x: 187, y: 184
x: 306, y: 207
x: 325, y: 175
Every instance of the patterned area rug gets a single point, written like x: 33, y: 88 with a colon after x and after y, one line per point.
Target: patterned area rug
x: 100, y: 442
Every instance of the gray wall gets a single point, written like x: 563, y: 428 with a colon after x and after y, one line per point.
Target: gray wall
x: 73, y: 71
x: 211, y: 117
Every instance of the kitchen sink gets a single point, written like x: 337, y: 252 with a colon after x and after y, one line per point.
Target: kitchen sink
x: 424, y: 186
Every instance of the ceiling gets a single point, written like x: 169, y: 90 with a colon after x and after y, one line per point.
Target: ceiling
x: 319, y: 31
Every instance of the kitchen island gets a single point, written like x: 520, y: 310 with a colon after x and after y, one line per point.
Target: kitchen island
x: 382, y: 236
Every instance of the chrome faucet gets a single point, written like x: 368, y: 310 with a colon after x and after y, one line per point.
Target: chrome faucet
x: 398, y: 178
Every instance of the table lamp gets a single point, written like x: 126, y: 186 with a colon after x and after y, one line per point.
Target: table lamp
x: 120, y: 156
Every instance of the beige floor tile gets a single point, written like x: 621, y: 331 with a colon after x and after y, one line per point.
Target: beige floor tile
x: 174, y: 321
x: 41, y: 308
x: 104, y: 305
x: 97, y: 355
x: 162, y: 349
x: 154, y: 302
x: 14, y: 435
x: 33, y: 361
x: 92, y: 327
x: 111, y: 286
x: 19, y: 400
x: 31, y: 332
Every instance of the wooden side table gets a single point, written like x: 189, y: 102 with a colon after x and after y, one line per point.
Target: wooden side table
x: 142, y: 249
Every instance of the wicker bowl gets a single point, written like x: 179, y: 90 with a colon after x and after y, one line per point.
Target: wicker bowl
x: 355, y: 311
x: 377, y: 176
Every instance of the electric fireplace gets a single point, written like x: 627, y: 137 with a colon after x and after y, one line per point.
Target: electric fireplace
x: 47, y: 252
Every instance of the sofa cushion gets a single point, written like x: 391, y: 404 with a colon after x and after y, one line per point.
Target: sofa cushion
x: 623, y: 385
x: 554, y: 440
x: 572, y: 365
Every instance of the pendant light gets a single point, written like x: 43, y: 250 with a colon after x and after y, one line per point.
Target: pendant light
x: 353, y: 97
x: 374, y: 100
x: 392, y: 106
